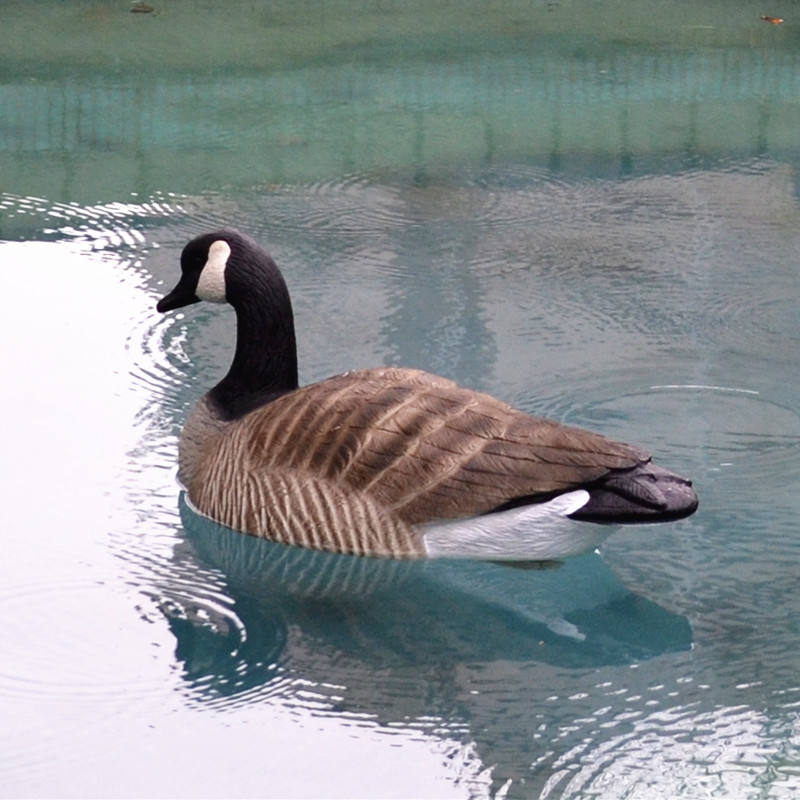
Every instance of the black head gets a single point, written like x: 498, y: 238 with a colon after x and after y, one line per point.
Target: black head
x: 217, y: 267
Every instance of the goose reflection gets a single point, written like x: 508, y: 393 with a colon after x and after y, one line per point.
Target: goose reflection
x: 343, y: 621
x: 459, y: 650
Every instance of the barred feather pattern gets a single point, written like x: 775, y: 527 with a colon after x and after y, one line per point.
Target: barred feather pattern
x: 354, y: 463
x: 298, y: 509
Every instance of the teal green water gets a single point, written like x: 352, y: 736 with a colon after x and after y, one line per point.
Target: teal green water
x: 589, y: 209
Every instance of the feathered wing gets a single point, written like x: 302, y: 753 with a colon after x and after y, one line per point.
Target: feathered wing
x: 418, y: 446
x: 303, y: 510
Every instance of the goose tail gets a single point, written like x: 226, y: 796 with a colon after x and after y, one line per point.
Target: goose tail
x: 646, y: 493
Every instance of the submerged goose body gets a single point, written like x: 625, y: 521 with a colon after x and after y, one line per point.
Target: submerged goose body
x: 388, y: 461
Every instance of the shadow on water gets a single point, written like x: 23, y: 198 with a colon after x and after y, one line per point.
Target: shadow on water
x: 333, y: 620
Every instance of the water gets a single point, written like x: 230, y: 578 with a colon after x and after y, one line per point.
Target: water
x: 589, y: 209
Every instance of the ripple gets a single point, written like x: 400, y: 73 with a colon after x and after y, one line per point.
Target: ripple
x: 228, y: 653
x: 190, y: 215
x: 350, y: 207
x: 71, y: 657
x: 735, y: 427
x: 726, y: 747
x: 158, y: 356
x: 353, y: 203
x: 100, y: 226
x: 119, y: 226
x: 369, y: 210
x: 562, y: 228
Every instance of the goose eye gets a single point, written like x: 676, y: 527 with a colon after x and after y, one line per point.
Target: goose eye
x: 211, y: 283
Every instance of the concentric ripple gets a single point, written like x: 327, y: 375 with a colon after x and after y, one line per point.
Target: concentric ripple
x: 41, y: 660
x: 736, y: 427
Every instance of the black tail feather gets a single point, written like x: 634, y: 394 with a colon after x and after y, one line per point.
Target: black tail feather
x: 645, y: 493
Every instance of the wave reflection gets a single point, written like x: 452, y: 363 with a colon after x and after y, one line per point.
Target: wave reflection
x: 354, y: 623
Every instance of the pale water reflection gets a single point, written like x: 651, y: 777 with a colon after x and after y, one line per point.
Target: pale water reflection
x: 589, y: 209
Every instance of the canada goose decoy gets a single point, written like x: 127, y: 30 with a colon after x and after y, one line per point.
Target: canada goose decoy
x: 388, y: 461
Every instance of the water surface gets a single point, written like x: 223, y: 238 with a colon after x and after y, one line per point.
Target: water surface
x: 588, y: 209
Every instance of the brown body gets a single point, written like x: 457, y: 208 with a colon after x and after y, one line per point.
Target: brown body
x: 354, y: 463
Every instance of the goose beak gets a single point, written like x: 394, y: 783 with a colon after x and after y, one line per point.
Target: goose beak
x: 182, y: 295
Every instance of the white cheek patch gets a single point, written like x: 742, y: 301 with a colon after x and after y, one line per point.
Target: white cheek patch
x: 211, y: 283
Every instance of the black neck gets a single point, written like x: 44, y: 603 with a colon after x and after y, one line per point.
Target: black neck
x: 265, y: 362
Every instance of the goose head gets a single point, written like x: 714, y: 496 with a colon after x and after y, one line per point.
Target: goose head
x: 228, y: 267
x: 222, y: 267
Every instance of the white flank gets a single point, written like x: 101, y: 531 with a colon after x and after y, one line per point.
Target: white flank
x: 537, y: 532
x: 211, y: 283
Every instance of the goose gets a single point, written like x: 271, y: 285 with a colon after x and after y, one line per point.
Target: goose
x: 388, y: 462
